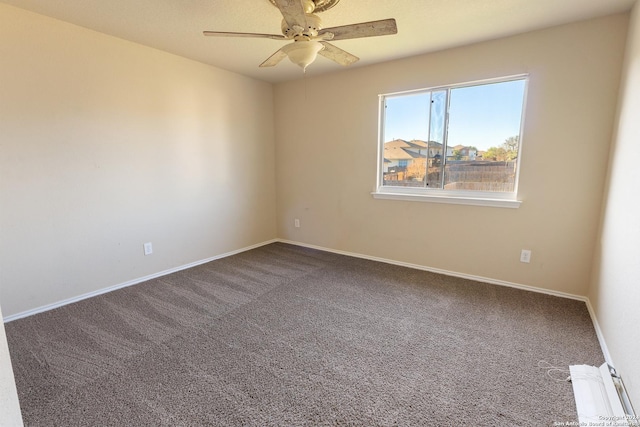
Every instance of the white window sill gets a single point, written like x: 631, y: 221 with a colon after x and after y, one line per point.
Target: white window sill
x: 455, y: 200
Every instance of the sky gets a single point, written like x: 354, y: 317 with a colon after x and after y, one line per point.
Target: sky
x: 481, y: 116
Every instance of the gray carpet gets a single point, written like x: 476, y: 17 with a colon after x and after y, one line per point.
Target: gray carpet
x: 286, y: 336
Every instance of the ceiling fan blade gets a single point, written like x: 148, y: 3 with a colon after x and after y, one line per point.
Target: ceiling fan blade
x: 364, y: 29
x: 254, y: 35
x: 274, y: 59
x: 292, y: 12
x: 338, y: 55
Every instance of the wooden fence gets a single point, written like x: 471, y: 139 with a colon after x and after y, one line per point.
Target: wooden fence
x: 472, y: 175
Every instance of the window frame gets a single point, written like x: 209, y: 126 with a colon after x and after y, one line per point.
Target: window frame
x: 440, y: 195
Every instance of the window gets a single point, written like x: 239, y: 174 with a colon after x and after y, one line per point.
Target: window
x: 455, y: 144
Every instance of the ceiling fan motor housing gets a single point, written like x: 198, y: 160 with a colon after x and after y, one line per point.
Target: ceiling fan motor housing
x: 318, y: 5
x: 314, y: 24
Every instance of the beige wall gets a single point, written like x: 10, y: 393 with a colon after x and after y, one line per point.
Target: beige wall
x: 106, y: 145
x: 10, y: 415
x: 326, y: 131
x: 615, y: 291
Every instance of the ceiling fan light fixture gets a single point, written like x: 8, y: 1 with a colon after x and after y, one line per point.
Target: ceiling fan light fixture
x: 303, y: 52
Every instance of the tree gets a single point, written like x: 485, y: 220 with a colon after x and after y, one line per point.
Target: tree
x: 506, y: 152
x: 511, y: 147
x: 494, y: 153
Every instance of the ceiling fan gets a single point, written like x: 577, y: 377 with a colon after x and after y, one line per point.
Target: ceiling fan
x: 304, y: 28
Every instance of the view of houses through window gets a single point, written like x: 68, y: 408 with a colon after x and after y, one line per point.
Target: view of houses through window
x: 454, y: 138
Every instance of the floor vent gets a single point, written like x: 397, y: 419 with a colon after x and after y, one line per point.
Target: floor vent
x: 601, y: 398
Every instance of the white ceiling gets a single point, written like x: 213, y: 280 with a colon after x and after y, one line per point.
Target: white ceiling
x: 423, y: 26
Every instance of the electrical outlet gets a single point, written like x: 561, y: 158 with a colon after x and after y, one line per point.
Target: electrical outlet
x: 296, y: 223
x: 148, y: 248
x: 525, y: 256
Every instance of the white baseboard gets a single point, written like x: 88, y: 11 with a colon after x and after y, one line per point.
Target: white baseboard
x: 444, y: 272
x: 603, y: 345
x: 599, y: 334
x: 129, y: 283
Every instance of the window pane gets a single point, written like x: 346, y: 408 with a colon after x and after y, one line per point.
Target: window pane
x: 437, y: 126
x: 405, y: 148
x: 483, y: 137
